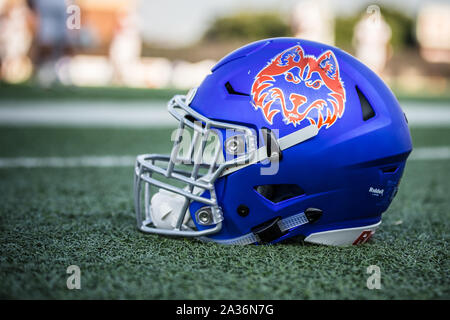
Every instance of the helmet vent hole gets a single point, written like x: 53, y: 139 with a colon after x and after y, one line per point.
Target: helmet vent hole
x: 366, y: 108
x: 231, y: 90
x: 392, y: 169
x: 279, y: 192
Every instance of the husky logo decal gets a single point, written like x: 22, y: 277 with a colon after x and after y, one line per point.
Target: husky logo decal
x: 312, y: 88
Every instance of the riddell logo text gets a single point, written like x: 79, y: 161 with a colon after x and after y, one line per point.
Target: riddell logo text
x: 376, y: 192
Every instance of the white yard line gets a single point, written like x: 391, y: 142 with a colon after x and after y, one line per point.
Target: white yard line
x: 151, y: 114
x: 424, y: 153
x: 431, y: 153
x: 87, y: 114
x: 67, y: 162
x: 421, y: 114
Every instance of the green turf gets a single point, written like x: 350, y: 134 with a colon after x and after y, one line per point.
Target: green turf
x: 53, y: 218
x: 29, y: 91
x: 17, y: 141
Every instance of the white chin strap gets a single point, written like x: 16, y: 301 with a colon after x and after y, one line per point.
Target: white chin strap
x: 166, y: 207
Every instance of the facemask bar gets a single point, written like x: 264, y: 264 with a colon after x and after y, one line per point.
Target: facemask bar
x: 196, y: 182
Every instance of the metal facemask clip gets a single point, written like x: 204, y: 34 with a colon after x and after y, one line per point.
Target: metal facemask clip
x: 272, y: 146
x: 166, y: 211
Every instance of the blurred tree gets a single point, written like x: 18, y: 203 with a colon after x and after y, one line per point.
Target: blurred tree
x: 402, y: 29
x: 343, y: 31
x: 248, y: 26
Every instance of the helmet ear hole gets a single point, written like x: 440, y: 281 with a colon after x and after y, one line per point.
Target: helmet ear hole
x: 279, y: 192
x: 266, y: 191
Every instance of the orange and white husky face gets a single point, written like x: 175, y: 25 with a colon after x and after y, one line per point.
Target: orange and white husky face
x: 306, y: 87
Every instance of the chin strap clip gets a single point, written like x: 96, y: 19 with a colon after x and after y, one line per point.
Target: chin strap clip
x: 269, y: 231
x: 272, y: 146
x: 313, y: 214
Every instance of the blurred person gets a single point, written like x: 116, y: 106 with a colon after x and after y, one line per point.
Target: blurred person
x: 52, y: 37
x: 125, y: 49
x: 313, y: 20
x: 433, y: 32
x: 371, y: 39
x: 15, y: 40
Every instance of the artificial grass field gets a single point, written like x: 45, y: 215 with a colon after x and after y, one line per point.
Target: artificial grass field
x: 51, y: 218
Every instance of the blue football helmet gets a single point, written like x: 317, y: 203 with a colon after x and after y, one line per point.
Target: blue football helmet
x: 285, y: 137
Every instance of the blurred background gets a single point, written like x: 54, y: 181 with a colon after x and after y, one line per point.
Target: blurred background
x: 173, y: 44
x: 84, y: 86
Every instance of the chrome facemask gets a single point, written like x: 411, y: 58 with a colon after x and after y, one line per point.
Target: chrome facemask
x: 167, y: 211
